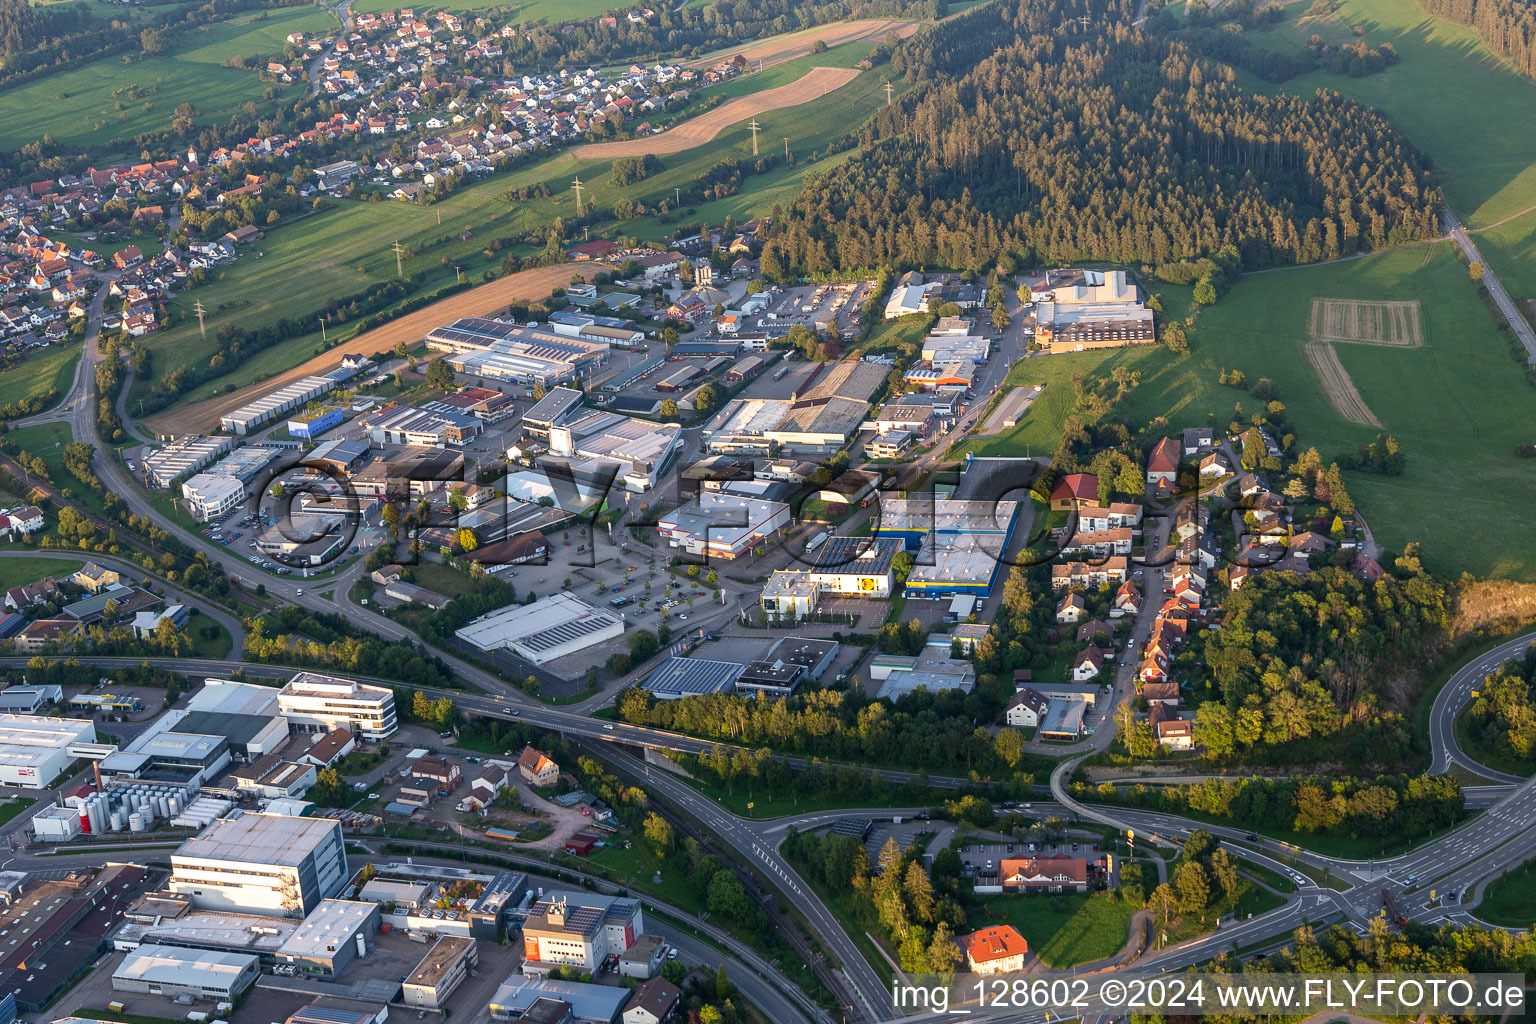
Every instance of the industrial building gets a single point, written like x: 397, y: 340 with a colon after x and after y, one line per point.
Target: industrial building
x: 716, y: 525
x: 315, y: 702
x: 183, y: 456
x: 269, y: 864
x: 284, y: 400
x: 960, y: 543
x: 210, y: 497
x: 29, y: 700
x: 160, y: 920
x: 310, y: 424
x: 552, y: 627
x: 492, y: 909
x: 548, y: 1001
x: 839, y: 566
x: 173, y: 972
x: 682, y: 676
x: 442, y: 970
x: 34, y: 751
x: 791, y: 661
x: 334, y: 934
x: 578, y: 928
x: 484, y: 347
x: 1079, y: 310
x: 559, y: 406
x: 427, y: 426
x: 641, y: 450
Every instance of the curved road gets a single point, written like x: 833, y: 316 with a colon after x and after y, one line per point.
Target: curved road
x: 1454, y: 696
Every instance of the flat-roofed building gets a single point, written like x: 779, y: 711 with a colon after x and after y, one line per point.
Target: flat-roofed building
x: 270, y: 864
x: 406, y: 896
x: 172, y: 972
x: 281, y: 401
x: 640, y: 450
x: 328, y: 939
x: 315, y: 702
x: 442, y: 970
x: 558, y: 406
x: 427, y: 426
x: 578, y: 928
x: 552, y: 627
x: 34, y: 751
x: 541, y: 1000
x: 210, y: 496
x: 679, y: 677
x: 184, y: 456
x: 723, y: 525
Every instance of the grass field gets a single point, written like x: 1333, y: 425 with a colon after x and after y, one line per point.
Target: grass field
x: 77, y: 107
x: 47, y: 441
x: 208, y: 647
x: 54, y: 367
x: 1438, y: 97
x: 1510, y: 900
x: 342, y: 250
x: 1088, y: 927
x: 16, y: 572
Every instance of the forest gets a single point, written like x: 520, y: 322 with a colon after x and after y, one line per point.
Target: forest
x: 1501, y: 721
x: 1392, y: 805
x: 1506, y: 26
x: 1315, y: 657
x: 1105, y: 143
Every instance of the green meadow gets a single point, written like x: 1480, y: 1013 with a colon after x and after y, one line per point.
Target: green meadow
x: 53, y: 367
x: 80, y: 106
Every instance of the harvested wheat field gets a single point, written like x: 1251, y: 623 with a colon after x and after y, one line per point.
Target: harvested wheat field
x: 523, y: 286
x: 1339, y: 386
x: 699, y: 130
x: 1357, y: 322
x: 768, y: 52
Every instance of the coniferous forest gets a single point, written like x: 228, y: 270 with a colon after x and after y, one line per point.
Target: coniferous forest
x: 1043, y: 130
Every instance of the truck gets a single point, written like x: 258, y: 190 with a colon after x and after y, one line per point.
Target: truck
x: 1392, y: 911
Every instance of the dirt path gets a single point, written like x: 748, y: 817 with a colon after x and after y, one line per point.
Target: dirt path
x: 768, y: 52
x: 816, y: 83
x: 524, y: 286
x: 1338, y: 386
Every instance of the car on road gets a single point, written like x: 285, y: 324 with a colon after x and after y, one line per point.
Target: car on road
x: 607, y: 728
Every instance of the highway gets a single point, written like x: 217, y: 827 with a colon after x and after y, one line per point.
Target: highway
x: 1501, y: 299
x: 1455, y: 695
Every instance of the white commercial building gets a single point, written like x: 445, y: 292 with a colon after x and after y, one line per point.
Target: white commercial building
x: 199, y: 973
x: 33, y: 751
x: 184, y: 455
x: 313, y: 702
x: 578, y: 928
x: 284, y: 400
x: 551, y: 628
x: 270, y: 864
x: 723, y: 525
x: 209, y: 496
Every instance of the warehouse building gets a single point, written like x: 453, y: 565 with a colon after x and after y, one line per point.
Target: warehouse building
x: 559, y: 406
x: 315, y: 702
x: 442, y: 970
x: 183, y: 456
x: 640, y: 450
x: 284, y: 400
x: 200, y: 974
x: 34, y: 751
x: 431, y: 425
x: 270, y: 864
x: 310, y: 424
x: 333, y: 935
x: 717, y: 525
x: 548, y: 1001
x: 679, y: 677
x: 551, y: 628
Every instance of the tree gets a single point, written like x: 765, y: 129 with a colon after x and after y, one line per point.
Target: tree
x: 1475, y: 270
x: 465, y: 538
x: 668, y: 410
x: 439, y: 375
x: 1162, y: 901
x: 1194, y: 888
x: 658, y: 831
x: 727, y: 897
x: 1225, y: 872
x: 329, y: 790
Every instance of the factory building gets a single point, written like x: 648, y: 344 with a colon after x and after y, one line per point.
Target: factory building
x: 442, y: 970
x: 269, y: 864
x: 551, y: 628
x: 284, y: 400
x: 200, y: 974
x: 33, y: 751
x: 334, y: 934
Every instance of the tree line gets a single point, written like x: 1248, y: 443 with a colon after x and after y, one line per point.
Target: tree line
x: 1409, y: 807
x: 1505, y: 26
x: 295, y: 636
x: 1502, y: 719
x: 1108, y: 143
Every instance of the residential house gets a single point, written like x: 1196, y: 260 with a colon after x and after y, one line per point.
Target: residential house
x: 1071, y: 609
x: 1089, y: 663
x: 95, y: 578
x: 1163, y: 465
x: 537, y: 768
x: 1073, y: 491
x: 1025, y: 709
x: 998, y: 949
x: 655, y: 1002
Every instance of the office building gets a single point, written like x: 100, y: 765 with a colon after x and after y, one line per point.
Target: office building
x: 172, y: 972
x: 315, y: 702
x: 34, y: 751
x: 210, y: 497
x: 578, y: 928
x: 268, y: 864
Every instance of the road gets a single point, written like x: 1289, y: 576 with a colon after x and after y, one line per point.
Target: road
x: 1454, y: 696
x: 1501, y: 299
